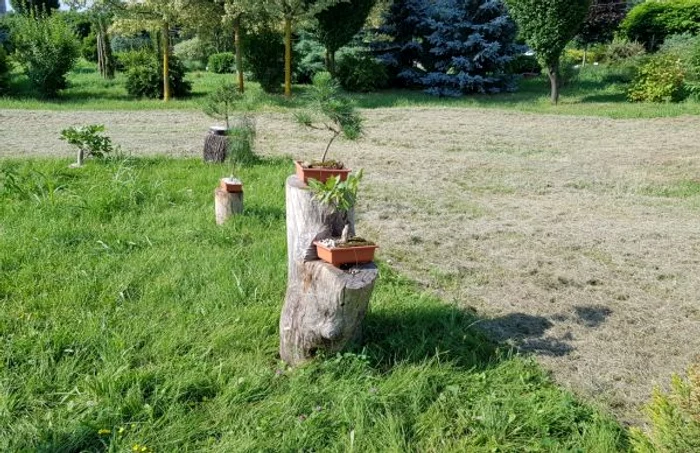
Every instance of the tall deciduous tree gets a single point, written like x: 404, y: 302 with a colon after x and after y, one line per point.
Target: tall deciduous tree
x: 548, y: 26
x: 338, y: 24
x: 28, y: 6
x: 236, y: 11
x: 292, y: 11
x: 162, y: 15
x: 604, y: 17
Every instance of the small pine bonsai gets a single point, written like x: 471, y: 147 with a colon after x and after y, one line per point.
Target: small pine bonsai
x: 220, y: 104
x: 330, y: 111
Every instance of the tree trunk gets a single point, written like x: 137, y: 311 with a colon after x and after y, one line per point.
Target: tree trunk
x: 105, y: 60
x: 554, y: 82
x: 226, y: 204
x: 239, y: 53
x: 324, y: 306
x: 215, y: 145
x: 585, y: 55
x: 330, y: 61
x: 288, y: 56
x: 166, y: 61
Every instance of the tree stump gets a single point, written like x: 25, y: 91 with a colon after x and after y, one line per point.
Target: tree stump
x: 226, y: 204
x: 215, y: 144
x: 324, y: 306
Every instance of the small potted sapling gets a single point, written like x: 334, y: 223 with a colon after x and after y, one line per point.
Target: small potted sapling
x: 341, y: 194
x: 221, y: 105
x: 331, y: 112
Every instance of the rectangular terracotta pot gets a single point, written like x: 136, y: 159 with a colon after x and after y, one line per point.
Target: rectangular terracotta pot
x: 346, y: 255
x: 231, y: 187
x: 321, y: 174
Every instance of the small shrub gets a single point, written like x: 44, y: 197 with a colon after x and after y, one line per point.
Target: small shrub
x: 652, y: 21
x: 687, y: 48
x: 674, y: 416
x: 264, y: 54
x: 48, y: 48
x: 660, y: 80
x: 222, y: 101
x: 593, y: 55
x: 144, y: 74
x: 222, y: 63
x: 89, y: 141
x: 360, y: 72
x: 621, y: 49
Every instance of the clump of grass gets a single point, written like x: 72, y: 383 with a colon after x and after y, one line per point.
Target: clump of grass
x: 130, y: 318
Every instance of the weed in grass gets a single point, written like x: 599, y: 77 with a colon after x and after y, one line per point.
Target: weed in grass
x: 134, y: 320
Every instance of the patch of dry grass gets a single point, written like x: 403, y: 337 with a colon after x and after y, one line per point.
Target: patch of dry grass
x: 578, y: 238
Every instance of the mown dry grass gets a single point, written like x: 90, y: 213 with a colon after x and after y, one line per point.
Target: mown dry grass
x: 578, y: 238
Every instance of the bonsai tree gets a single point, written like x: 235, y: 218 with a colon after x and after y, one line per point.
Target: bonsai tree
x: 221, y: 102
x: 330, y: 111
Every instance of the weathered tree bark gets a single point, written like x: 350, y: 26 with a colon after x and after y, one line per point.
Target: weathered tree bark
x: 288, y: 55
x: 226, y: 204
x: 215, y: 145
x: 239, y: 52
x: 324, y: 306
x: 166, y: 61
x: 554, y: 82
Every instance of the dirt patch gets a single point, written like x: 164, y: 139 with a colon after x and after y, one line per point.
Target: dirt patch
x: 558, y: 229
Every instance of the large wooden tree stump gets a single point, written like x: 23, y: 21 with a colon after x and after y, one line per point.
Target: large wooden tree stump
x: 226, y: 204
x: 215, y: 145
x: 324, y: 306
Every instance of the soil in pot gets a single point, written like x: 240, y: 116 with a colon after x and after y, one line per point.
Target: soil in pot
x: 353, y: 251
x: 321, y: 171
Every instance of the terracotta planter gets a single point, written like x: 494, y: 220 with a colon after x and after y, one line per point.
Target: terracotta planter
x: 322, y: 174
x: 232, y: 185
x: 346, y: 255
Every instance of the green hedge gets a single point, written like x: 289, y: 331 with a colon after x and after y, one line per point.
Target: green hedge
x: 652, y: 21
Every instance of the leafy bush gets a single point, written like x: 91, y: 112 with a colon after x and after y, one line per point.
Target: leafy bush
x: 339, y: 194
x: 48, y: 48
x: 222, y: 63
x: 662, y: 79
x: 144, y: 74
x: 674, y: 416
x: 687, y: 48
x: 264, y: 53
x: 89, y: 141
x: 622, y: 49
x: 359, y: 72
x: 652, y: 21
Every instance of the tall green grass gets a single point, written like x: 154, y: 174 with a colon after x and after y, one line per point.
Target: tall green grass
x: 128, y: 319
x: 596, y: 91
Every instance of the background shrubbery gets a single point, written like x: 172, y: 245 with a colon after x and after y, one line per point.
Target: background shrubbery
x: 264, y: 54
x: 48, y: 48
x: 652, y: 21
x: 144, y: 74
x: 222, y: 63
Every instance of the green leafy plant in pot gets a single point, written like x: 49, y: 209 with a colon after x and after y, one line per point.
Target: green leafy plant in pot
x: 331, y: 112
x: 341, y: 195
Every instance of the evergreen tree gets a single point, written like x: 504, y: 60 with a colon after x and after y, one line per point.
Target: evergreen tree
x: 338, y: 24
x: 401, y: 42
x: 472, y: 42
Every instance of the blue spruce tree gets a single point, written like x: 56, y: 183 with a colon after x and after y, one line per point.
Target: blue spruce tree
x: 472, y: 42
x: 401, y: 41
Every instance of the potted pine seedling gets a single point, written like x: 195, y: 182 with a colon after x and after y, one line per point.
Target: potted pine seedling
x: 341, y: 194
x: 236, y: 138
x: 331, y: 112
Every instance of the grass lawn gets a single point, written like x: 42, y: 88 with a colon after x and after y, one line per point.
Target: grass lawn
x: 598, y: 91
x: 127, y: 318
